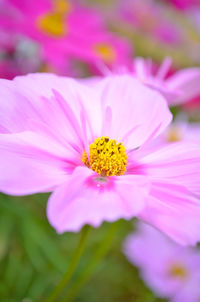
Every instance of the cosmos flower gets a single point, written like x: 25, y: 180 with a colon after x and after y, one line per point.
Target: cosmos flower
x: 180, y: 130
x: 178, y: 87
x: 66, y: 29
x: 170, y: 270
x: 91, y: 146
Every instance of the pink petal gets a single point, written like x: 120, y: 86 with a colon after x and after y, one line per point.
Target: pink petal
x: 136, y: 112
x: 134, y: 107
x: 75, y: 92
x: 178, y: 162
x: 155, y: 254
x: 32, y: 163
x: 81, y: 200
x: 142, y: 247
x: 173, y: 210
x: 14, y: 108
x: 187, y: 82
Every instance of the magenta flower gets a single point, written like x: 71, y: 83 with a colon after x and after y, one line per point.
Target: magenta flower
x: 65, y: 30
x: 170, y: 270
x: 184, y: 4
x: 92, y: 146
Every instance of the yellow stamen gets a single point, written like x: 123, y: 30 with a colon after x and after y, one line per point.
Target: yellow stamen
x: 173, y: 134
x: 106, y: 157
x: 178, y: 271
x: 54, y: 22
x: 106, y: 52
x: 47, y: 68
x: 63, y: 7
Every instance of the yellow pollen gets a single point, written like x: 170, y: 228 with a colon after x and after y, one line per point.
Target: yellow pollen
x: 178, y: 271
x: 106, y: 52
x: 63, y: 7
x: 54, y: 22
x: 47, y: 68
x: 106, y: 157
x: 173, y: 134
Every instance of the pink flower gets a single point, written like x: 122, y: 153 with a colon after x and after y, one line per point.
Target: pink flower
x: 170, y: 270
x: 180, y: 131
x: 184, y: 4
x: 65, y: 30
x: 180, y: 87
x: 193, y: 105
x: 92, y: 146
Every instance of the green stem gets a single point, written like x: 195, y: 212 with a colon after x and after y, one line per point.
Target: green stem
x: 91, y: 266
x: 72, y: 266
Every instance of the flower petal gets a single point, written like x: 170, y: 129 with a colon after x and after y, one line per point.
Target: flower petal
x: 187, y: 82
x: 82, y: 200
x: 76, y: 93
x: 173, y: 210
x: 31, y: 163
x: 178, y: 162
x: 57, y: 105
x: 137, y: 111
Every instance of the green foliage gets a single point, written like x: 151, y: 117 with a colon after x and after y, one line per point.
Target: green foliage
x: 33, y: 257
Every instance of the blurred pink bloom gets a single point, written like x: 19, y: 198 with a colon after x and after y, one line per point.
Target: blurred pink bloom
x: 170, y: 270
x: 149, y: 17
x: 180, y: 87
x: 192, y: 105
x: 180, y: 131
x: 184, y: 4
x: 58, y: 134
x: 66, y: 30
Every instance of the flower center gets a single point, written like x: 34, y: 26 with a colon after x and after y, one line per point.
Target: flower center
x: 106, y: 52
x: 106, y: 157
x: 178, y: 271
x: 54, y: 22
x: 173, y: 134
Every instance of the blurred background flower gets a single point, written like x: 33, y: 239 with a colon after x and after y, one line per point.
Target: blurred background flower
x: 170, y: 270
